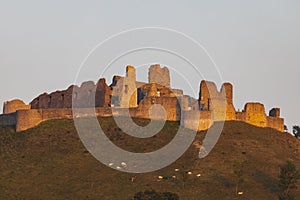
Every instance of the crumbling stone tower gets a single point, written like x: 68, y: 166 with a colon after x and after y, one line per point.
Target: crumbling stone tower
x: 159, y: 75
x: 103, y: 92
x: 124, y: 91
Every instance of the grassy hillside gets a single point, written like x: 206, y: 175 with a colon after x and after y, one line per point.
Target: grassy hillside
x: 50, y: 162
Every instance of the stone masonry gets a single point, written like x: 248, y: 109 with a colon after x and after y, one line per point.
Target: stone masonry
x: 159, y: 75
x: 139, y: 97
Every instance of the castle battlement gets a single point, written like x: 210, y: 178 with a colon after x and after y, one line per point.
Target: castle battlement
x: 127, y: 93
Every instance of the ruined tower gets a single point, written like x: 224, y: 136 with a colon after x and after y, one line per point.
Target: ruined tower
x: 103, y: 92
x: 159, y: 75
x: 124, y: 91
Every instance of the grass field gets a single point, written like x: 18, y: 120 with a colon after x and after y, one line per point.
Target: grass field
x: 50, y: 162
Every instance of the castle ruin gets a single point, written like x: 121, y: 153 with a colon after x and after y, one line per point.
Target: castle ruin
x: 126, y: 93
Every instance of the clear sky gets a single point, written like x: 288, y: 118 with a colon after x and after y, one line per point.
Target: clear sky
x: 255, y: 44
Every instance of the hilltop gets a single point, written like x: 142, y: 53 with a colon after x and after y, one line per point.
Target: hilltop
x: 50, y: 162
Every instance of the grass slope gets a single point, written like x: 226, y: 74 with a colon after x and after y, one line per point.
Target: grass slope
x: 50, y: 162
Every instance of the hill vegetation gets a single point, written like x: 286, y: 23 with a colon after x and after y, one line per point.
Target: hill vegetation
x: 50, y: 162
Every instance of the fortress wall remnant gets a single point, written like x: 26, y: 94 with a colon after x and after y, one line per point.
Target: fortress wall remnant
x: 159, y: 75
x: 274, y: 120
x: 208, y: 91
x: 14, y: 105
x: 115, y: 91
x: 197, y: 120
x: 57, y: 113
x: 184, y: 102
x: 103, y: 93
x: 177, y: 92
x: 157, y: 90
x: 25, y: 119
x: 220, y: 103
x: 41, y: 102
x: 275, y: 123
x: 227, y: 88
x: 58, y: 99
x: 274, y: 112
x: 85, y: 96
x: 255, y: 114
x: 153, y: 93
x: 170, y: 104
x: 124, y: 91
x: 8, y: 119
x: 28, y: 118
x: 241, y: 116
x: 81, y: 112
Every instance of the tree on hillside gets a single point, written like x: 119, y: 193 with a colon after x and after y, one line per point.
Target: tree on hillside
x: 288, y: 179
x: 296, y: 131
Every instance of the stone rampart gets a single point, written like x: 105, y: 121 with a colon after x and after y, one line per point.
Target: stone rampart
x: 170, y: 104
x: 14, y: 105
x: 197, y: 120
x: 125, y: 93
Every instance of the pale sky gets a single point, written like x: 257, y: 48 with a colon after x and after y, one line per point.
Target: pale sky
x: 255, y: 44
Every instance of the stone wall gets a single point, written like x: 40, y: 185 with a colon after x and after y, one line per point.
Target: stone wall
x: 8, y: 119
x: 241, y: 116
x: 58, y: 99
x: 170, y: 104
x: 103, y: 93
x: 25, y: 119
x: 219, y: 102
x: 124, y: 90
x: 28, y: 118
x: 159, y: 75
x: 87, y: 95
x: 254, y: 113
x: 157, y: 90
x: 275, y: 123
x: 197, y: 120
x: 274, y: 112
x: 193, y: 119
x: 14, y: 105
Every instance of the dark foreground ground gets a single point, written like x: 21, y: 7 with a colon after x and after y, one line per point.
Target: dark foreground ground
x: 50, y: 162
